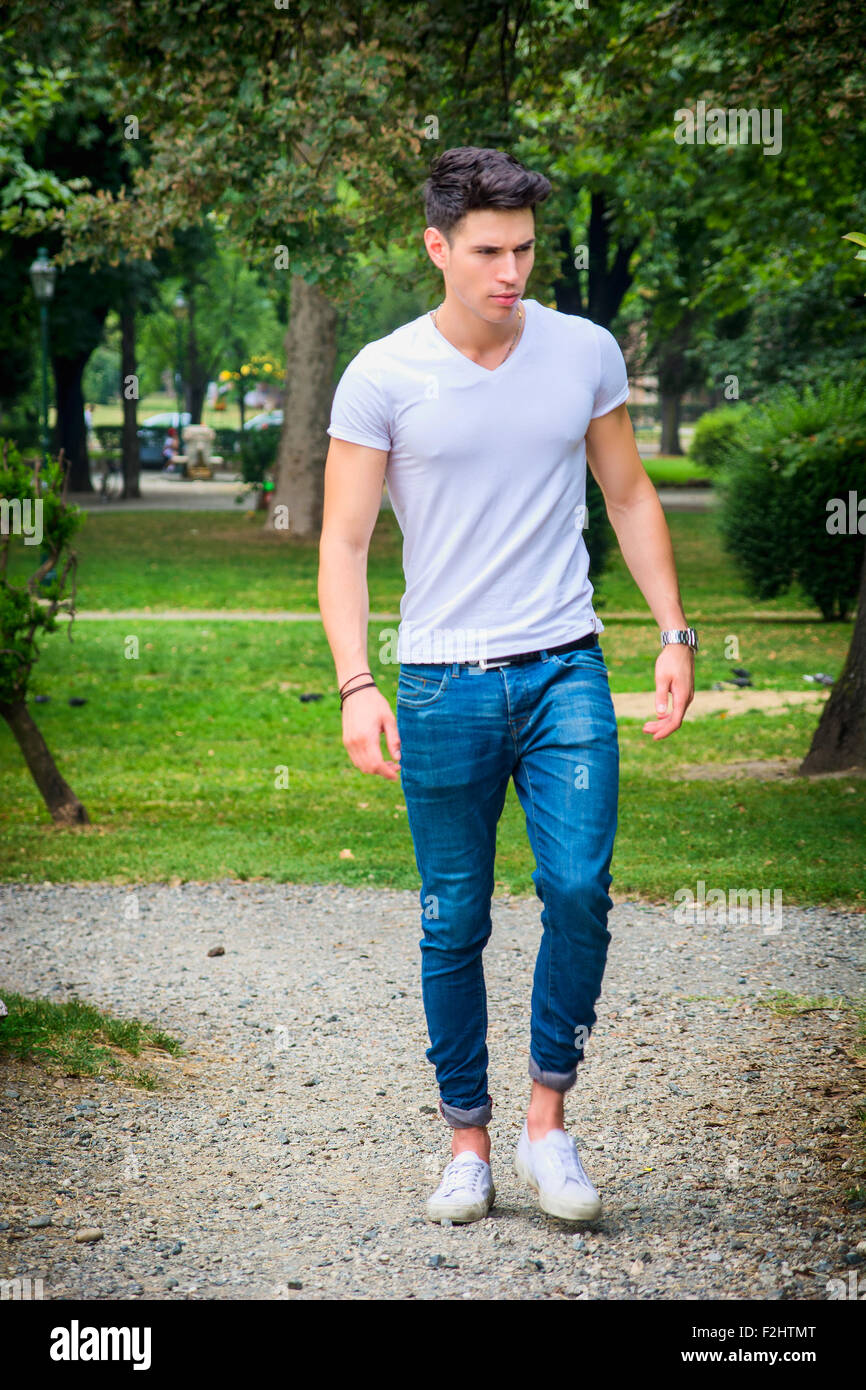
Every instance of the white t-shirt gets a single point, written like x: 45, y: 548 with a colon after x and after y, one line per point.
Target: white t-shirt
x: 487, y: 477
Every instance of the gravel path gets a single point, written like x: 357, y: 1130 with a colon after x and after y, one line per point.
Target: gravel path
x: 288, y: 1153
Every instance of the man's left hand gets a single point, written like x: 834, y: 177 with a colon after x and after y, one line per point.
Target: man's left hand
x: 675, y: 675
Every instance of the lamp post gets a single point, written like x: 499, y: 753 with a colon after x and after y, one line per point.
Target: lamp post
x: 42, y: 277
x: 180, y: 309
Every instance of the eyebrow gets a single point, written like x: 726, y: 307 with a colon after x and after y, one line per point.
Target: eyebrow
x: 484, y: 246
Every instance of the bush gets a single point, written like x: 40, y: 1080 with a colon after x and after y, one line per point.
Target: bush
x: 259, y: 453
x: 33, y: 498
x: 227, y: 442
x: 795, y: 454
x: 716, y: 432
x: 599, y: 535
x: 110, y: 438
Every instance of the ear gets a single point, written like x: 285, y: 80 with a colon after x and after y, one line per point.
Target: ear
x: 437, y: 247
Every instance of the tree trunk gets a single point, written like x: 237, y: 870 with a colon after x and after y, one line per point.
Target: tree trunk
x: 311, y: 352
x: 70, y: 431
x: 196, y: 370
x: 131, y: 464
x: 670, y: 409
x: 609, y: 277
x: 62, y: 803
x: 839, y: 742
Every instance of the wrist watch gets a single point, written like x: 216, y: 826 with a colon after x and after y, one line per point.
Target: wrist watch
x: 686, y: 635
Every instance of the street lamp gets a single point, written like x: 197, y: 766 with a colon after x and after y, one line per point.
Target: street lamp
x: 180, y: 309
x: 42, y: 277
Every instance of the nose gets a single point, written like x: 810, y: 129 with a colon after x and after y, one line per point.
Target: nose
x: 508, y: 272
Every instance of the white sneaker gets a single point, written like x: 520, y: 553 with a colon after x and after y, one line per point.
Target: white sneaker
x: 552, y: 1166
x: 466, y: 1192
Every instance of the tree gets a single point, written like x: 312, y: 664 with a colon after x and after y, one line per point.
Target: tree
x: 313, y: 141
x: 82, y: 144
x: 308, y: 142
x: 839, y: 742
x: 34, y: 502
x: 232, y: 314
x: 29, y: 95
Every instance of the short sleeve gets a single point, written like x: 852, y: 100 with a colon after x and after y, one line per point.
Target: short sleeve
x: 613, y: 378
x: 359, y: 411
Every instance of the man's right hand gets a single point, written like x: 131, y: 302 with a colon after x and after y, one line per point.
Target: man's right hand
x: 366, y: 716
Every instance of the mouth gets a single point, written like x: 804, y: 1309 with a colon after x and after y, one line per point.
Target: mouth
x: 505, y: 298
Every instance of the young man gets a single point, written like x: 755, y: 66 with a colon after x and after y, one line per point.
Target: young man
x: 480, y: 415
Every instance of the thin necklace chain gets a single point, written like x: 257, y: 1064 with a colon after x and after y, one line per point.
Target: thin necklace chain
x: 434, y: 314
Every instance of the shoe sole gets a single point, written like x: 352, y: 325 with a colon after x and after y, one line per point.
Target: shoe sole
x: 472, y: 1211
x: 585, y: 1211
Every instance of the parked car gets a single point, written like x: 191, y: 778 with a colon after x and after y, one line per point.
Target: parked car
x: 263, y: 421
x: 151, y: 436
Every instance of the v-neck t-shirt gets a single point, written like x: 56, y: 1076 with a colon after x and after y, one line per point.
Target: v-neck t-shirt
x: 486, y: 474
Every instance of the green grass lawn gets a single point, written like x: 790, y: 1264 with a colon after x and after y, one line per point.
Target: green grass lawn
x: 157, y: 560
x: 668, y: 470
x: 176, y: 754
x: 178, y: 757
x: 159, y: 402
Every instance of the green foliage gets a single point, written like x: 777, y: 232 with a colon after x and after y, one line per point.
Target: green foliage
x: 32, y: 498
x: 234, y: 311
x: 24, y: 427
x: 798, y: 329
x: 29, y: 96
x: 599, y: 533
x: 716, y: 434
x: 100, y: 382
x: 259, y: 453
x: 227, y: 442
x: 110, y: 438
x: 794, y: 454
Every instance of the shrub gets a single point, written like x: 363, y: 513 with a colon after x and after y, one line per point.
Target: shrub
x: 795, y: 454
x: 259, y: 453
x: 110, y: 438
x: 599, y: 535
x: 227, y: 441
x: 36, y: 516
x: 716, y: 433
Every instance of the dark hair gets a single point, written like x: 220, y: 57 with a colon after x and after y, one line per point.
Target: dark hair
x: 467, y: 178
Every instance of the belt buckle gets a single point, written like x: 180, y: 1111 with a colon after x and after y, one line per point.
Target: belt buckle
x: 485, y: 665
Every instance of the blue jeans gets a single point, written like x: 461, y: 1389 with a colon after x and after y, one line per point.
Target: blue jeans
x: 548, y: 723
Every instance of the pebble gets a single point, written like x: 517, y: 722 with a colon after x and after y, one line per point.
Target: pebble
x: 316, y: 1182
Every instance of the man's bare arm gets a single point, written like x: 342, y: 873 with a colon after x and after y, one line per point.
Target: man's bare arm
x: 637, y: 517
x: 353, y: 495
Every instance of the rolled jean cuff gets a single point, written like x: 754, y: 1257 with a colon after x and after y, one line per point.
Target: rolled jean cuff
x: 556, y: 1080
x: 467, y: 1119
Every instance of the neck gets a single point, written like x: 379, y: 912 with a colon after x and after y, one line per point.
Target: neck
x: 471, y: 333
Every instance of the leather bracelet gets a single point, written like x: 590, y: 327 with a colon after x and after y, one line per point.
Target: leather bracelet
x: 365, y: 686
x: 355, y: 677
